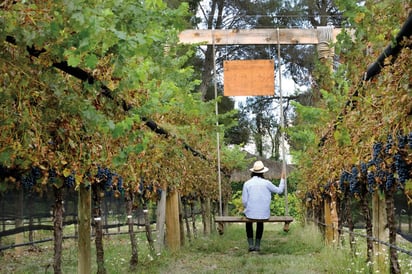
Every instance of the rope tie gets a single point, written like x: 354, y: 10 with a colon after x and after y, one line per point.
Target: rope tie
x: 325, y: 36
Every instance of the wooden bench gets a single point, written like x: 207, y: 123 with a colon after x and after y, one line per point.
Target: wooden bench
x: 242, y: 219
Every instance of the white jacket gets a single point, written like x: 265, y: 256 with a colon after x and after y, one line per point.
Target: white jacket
x: 257, y: 195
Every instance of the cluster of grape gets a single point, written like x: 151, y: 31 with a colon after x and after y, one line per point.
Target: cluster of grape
x: 402, y: 141
x: 52, y: 176
x: 27, y: 181
x: 344, y: 178
x: 389, y: 145
x: 377, y: 161
x: 70, y: 181
x: 402, y: 168
x: 106, y: 176
x: 376, y: 154
x: 390, y: 180
x: 354, y: 187
x: 381, y: 175
x: 30, y: 179
x: 364, y: 168
x: 120, y: 183
x: 36, y: 173
x: 370, y: 177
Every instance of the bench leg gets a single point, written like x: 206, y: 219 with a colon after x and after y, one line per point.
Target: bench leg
x: 286, y: 227
x: 220, y: 228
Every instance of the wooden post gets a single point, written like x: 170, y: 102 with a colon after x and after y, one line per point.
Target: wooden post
x: 172, y: 221
x: 328, y: 221
x: 84, y: 242
x: 334, y: 216
x: 379, y: 232
x: 160, y: 223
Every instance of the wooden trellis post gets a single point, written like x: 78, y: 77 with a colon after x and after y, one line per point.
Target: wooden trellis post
x: 331, y: 219
x: 160, y: 223
x: 172, y: 220
x: 380, y: 232
x: 84, y: 243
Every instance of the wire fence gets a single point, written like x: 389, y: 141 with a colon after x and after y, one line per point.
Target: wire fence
x: 27, y: 212
x: 347, y: 230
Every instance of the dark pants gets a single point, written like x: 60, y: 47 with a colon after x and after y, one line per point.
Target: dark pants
x: 259, y: 230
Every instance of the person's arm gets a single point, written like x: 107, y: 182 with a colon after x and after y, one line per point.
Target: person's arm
x: 281, y: 188
x: 282, y: 182
x: 244, y: 196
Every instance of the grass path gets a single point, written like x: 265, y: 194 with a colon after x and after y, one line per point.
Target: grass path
x: 298, y: 251
x: 301, y: 250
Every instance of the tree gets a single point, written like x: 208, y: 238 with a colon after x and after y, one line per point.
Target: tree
x: 297, y: 59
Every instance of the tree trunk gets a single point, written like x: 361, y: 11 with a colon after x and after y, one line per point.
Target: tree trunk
x: 106, y: 210
x: 30, y: 205
x: 390, y: 212
x: 58, y: 229
x: 192, y: 211
x: 148, y: 228
x: 129, y: 197
x: 19, y: 237
x: 339, y: 203
x: 346, y: 216
x: 205, y: 204
x: 181, y: 223
x: 369, y: 228
x: 351, y: 225
x: 320, y: 217
x: 97, y: 214
x: 207, y: 73
x: 186, y: 219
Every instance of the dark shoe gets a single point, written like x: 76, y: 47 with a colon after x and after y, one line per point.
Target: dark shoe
x: 251, y: 246
x: 257, y: 245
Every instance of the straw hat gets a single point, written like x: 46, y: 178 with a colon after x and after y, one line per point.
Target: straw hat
x: 259, y: 167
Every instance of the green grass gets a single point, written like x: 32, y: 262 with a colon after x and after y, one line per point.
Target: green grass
x: 301, y: 250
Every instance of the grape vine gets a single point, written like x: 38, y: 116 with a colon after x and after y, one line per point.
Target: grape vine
x: 388, y: 168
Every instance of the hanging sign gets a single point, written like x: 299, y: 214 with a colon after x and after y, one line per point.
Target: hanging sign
x: 249, y: 78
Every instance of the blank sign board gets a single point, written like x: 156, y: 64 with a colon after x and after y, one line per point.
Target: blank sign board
x: 249, y: 78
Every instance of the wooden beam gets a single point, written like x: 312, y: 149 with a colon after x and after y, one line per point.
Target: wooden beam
x: 241, y: 219
x: 252, y: 36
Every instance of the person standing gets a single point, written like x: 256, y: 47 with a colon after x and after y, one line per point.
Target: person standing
x: 256, y: 198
